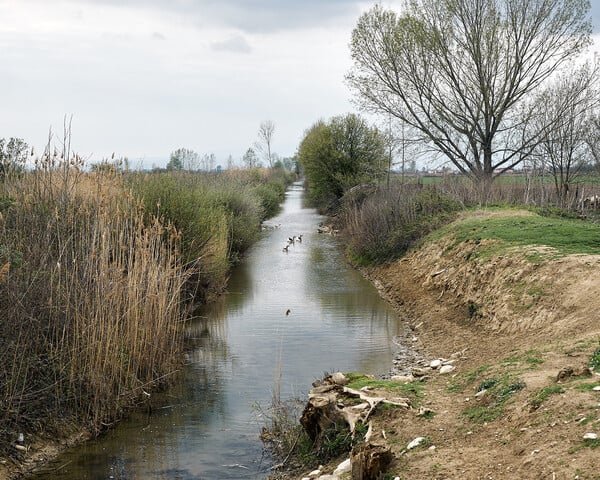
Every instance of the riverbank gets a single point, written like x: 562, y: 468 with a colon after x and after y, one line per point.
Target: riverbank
x: 522, y: 326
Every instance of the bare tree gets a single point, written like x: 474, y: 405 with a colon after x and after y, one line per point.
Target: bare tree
x: 593, y: 139
x: 250, y: 159
x: 265, y: 139
x: 564, y: 118
x: 13, y: 155
x: 459, y: 70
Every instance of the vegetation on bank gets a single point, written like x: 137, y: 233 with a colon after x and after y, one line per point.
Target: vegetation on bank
x: 217, y: 214
x: 563, y: 234
x: 97, y: 273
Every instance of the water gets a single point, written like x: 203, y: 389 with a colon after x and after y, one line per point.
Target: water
x: 244, y: 345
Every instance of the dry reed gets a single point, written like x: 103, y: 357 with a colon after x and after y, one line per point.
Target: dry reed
x: 90, y: 307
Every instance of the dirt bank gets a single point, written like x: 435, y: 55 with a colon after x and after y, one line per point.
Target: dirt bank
x: 523, y: 326
x: 520, y: 319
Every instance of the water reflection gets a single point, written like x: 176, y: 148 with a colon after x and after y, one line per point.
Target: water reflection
x: 206, y: 427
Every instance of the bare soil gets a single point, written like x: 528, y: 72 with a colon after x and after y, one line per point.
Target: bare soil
x: 525, y: 316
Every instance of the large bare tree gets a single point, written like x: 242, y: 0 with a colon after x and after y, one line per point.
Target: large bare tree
x: 459, y: 71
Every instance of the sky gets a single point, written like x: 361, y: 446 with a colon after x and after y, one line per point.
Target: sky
x: 142, y: 78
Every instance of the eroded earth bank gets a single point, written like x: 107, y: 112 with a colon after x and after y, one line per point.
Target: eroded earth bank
x: 521, y: 327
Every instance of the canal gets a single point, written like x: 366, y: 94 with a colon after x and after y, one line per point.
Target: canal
x: 288, y: 318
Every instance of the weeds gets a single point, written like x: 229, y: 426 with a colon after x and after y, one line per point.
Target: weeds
x: 544, y: 394
x: 384, y: 225
x: 497, y: 393
x: 595, y: 360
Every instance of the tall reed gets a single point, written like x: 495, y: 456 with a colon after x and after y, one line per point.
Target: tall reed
x: 90, y: 307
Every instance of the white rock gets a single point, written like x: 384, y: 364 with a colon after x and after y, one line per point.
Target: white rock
x: 329, y: 477
x: 596, y: 389
x: 402, y: 378
x: 447, y: 369
x: 481, y: 393
x: 339, y: 378
x: 435, y: 363
x: 344, y: 467
x: 590, y: 436
x: 314, y: 473
x: 415, y: 443
x: 305, y: 478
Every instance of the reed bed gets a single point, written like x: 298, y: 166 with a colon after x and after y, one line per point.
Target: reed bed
x: 98, y: 271
x: 218, y: 215
x: 90, y: 300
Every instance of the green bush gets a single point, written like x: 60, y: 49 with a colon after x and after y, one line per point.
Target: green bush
x: 271, y: 195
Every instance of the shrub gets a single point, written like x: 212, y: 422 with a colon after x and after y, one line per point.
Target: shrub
x: 385, y: 224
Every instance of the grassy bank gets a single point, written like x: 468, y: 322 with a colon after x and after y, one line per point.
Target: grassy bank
x: 381, y: 223
x: 97, y: 271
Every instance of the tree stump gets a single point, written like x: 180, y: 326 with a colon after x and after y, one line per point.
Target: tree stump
x: 370, y: 462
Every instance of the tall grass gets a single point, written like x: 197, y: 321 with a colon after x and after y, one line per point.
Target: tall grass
x: 96, y: 271
x: 90, y: 299
x: 218, y: 215
x: 384, y: 224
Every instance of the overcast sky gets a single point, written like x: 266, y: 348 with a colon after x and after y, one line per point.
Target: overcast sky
x: 141, y: 78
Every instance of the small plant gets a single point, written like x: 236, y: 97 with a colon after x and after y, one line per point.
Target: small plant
x: 487, y: 384
x: 591, y: 443
x: 543, y: 394
x: 337, y: 440
x: 473, y: 309
x: 483, y: 414
x: 595, y: 360
x: 499, y: 391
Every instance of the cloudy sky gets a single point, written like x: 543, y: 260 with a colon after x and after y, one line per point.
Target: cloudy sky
x: 141, y: 78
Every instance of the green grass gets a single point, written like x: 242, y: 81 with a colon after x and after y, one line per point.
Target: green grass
x: 530, y: 358
x: 566, y: 235
x: 587, y: 387
x: 544, y: 394
x: 499, y: 390
x: 412, y: 389
x: 462, y: 381
x: 595, y: 360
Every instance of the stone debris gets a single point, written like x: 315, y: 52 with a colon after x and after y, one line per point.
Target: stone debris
x: 415, y: 443
x: 437, y: 363
x: 447, y: 369
x: 344, y: 467
x: 590, y: 436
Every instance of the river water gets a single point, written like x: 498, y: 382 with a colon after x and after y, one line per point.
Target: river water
x: 245, y: 347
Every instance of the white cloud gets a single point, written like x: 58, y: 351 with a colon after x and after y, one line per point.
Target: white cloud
x: 143, y: 78
x: 235, y: 44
